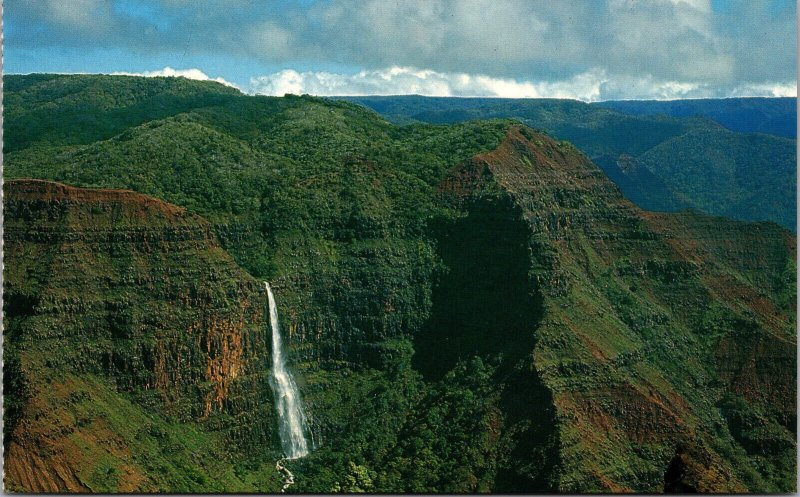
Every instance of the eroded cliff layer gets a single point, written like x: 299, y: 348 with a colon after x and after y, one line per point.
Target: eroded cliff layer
x: 661, y: 338
x: 130, y: 335
x: 527, y: 329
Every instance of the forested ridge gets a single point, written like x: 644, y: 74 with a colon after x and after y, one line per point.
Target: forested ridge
x: 468, y: 307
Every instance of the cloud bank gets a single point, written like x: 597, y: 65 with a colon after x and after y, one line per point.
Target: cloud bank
x: 594, y: 49
x: 590, y: 86
x: 193, y: 73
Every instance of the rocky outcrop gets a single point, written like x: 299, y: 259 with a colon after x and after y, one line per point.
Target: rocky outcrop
x: 693, y: 470
x: 136, y: 292
x: 617, y: 350
x: 643, y: 319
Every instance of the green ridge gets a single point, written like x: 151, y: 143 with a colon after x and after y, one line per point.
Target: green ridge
x: 470, y: 307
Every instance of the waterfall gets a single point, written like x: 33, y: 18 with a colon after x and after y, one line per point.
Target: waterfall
x: 291, y: 419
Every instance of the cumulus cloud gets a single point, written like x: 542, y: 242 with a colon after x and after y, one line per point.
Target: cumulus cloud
x: 765, y: 90
x: 170, y: 72
x: 589, y: 86
x: 675, y: 47
x: 407, y: 80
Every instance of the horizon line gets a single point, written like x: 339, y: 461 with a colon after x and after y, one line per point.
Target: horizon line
x: 394, y: 95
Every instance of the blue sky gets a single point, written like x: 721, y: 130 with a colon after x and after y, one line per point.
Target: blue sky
x: 587, y: 49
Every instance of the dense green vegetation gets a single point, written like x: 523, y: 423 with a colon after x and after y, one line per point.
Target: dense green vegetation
x: 468, y: 307
x: 776, y: 116
x: 80, y: 109
x: 120, y: 312
x: 750, y: 176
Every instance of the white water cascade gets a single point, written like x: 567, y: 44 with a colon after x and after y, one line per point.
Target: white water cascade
x: 291, y: 418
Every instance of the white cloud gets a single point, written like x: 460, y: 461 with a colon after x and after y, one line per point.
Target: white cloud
x: 407, y: 80
x: 766, y: 90
x: 666, y: 43
x: 589, y: 86
x: 192, y: 73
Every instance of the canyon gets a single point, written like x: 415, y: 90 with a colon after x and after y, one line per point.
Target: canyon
x: 465, y: 308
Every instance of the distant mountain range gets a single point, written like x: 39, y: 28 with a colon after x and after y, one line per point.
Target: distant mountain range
x: 776, y: 116
x: 665, y: 156
x: 469, y: 307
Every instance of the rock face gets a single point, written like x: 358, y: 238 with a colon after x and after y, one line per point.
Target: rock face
x: 136, y: 295
x: 456, y: 320
x: 650, y: 331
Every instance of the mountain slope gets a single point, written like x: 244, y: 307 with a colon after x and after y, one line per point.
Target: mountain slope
x: 594, y: 130
x: 79, y: 109
x: 748, y: 177
x: 609, y: 136
x: 467, y: 308
x: 776, y: 116
x: 636, y: 365
x: 640, y: 185
x: 135, y: 347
